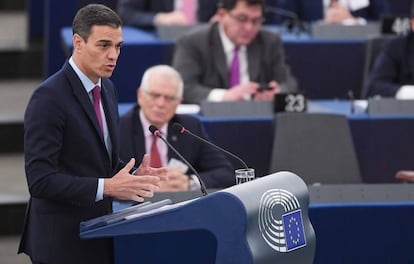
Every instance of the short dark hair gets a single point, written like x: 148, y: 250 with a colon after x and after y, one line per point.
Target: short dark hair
x: 91, y: 15
x: 230, y: 4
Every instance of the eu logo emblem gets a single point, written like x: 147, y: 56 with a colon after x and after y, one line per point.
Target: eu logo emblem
x: 294, y: 231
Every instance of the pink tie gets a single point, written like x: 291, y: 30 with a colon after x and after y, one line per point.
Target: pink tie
x: 155, y: 159
x: 96, y: 93
x: 188, y: 8
x: 235, y: 68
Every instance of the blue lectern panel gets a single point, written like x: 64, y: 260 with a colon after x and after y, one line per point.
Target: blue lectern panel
x: 220, y: 214
x: 195, y: 246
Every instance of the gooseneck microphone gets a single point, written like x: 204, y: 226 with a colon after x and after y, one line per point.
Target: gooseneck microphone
x: 179, y: 128
x: 156, y: 132
x: 281, y: 12
x: 293, y: 21
x: 352, y: 100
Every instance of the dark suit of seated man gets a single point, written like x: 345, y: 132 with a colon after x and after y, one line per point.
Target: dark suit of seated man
x: 205, y: 58
x: 158, y: 97
x: 392, y: 74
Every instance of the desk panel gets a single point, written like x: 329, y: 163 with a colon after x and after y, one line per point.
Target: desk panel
x: 251, y: 139
x: 327, y: 69
x: 383, y: 145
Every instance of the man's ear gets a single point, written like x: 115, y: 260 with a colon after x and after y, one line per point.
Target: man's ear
x: 77, y: 41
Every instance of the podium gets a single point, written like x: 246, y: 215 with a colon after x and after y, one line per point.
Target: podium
x: 262, y: 221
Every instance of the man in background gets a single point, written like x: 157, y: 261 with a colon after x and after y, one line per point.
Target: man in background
x: 158, y: 96
x: 392, y: 74
x: 233, y: 59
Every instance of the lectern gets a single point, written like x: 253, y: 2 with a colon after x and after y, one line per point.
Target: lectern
x: 262, y: 221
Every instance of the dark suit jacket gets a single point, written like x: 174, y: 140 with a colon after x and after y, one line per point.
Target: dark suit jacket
x: 214, y: 168
x: 64, y: 156
x: 393, y: 68
x: 200, y: 59
x: 312, y: 10
x: 140, y: 13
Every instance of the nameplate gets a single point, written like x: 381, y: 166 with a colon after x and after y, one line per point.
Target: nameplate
x: 290, y: 102
x: 237, y: 109
x: 338, y: 31
x: 395, y: 25
x: 390, y: 106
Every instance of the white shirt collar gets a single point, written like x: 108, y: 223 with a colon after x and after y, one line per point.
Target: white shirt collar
x: 228, y: 45
x: 87, y: 83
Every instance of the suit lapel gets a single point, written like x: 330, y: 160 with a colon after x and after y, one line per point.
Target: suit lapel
x: 253, y: 60
x: 410, y: 52
x: 173, y: 139
x: 111, y: 116
x: 218, y: 55
x: 138, y: 136
x: 83, y: 98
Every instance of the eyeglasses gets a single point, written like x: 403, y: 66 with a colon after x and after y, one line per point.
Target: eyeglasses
x: 243, y: 19
x: 154, y: 96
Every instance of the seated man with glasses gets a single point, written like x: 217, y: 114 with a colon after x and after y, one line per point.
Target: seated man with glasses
x: 158, y: 97
x: 233, y: 59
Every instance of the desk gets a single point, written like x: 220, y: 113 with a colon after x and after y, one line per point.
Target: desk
x: 325, y: 69
x: 383, y: 145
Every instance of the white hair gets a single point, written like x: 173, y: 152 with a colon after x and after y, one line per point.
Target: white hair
x: 162, y: 71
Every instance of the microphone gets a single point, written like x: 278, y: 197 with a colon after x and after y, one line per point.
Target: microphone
x: 352, y: 99
x: 156, y: 132
x: 293, y: 19
x: 179, y: 128
x: 281, y: 12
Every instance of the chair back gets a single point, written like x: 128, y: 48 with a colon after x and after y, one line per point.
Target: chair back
x: 317, y: 147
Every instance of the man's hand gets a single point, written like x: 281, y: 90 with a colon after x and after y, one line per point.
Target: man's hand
x: 268, y: 95
x: 171, y: 18
x: 405, y: 175
x: 240, y: 92
x: 145, y: 169
x: 125, y: 186
x: 177, y: 181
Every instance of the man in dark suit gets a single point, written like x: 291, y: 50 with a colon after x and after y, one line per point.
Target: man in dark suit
x: 334, y: 11
x: 392, y: 74
x: 158, y: 97
x: 206, y: 58
x: 71, y: 148
x: 148, y: 13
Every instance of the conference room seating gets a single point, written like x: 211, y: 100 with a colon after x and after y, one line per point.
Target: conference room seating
x: 373, y: 46
x: 315, y: 146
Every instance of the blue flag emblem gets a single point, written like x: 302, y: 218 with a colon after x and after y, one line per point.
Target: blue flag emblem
x: 294, y: 231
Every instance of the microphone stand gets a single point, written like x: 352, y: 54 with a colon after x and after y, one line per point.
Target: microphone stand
x: 158, y: 134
